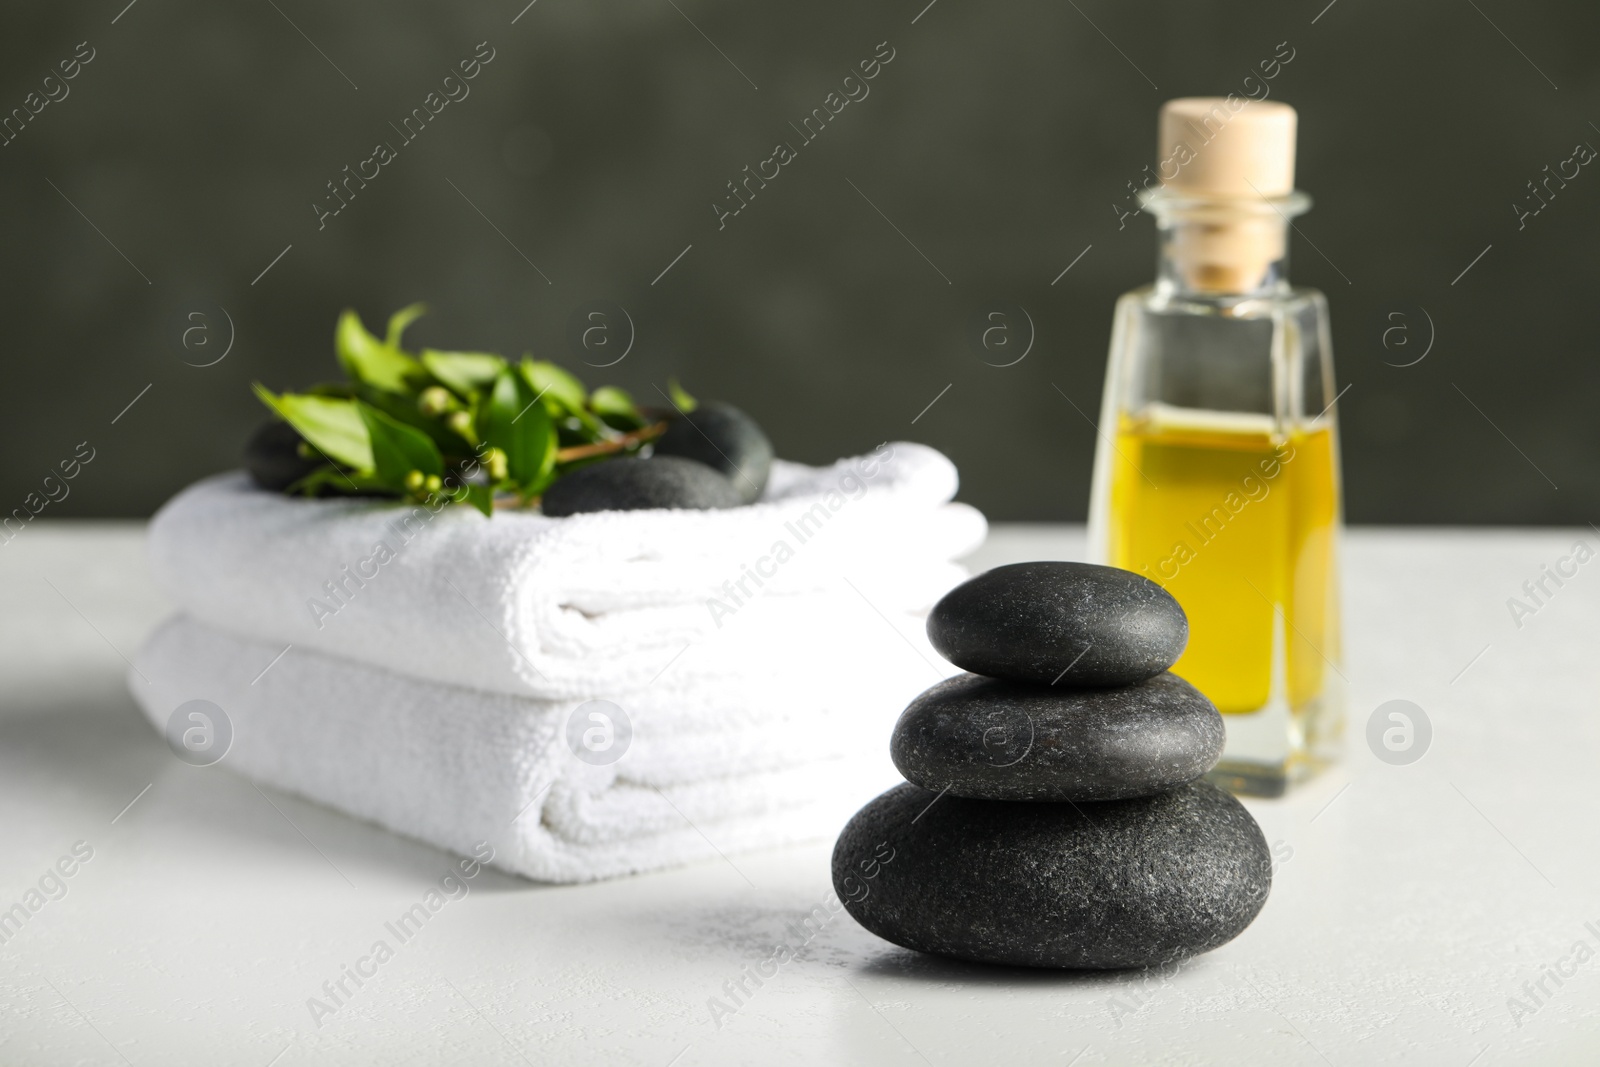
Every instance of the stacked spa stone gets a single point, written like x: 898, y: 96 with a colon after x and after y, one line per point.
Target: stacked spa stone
x: 1054, y: 815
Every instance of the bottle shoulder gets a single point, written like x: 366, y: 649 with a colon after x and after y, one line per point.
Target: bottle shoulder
x: 1165, y: 300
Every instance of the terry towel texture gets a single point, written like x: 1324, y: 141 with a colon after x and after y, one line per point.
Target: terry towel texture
x: 454, y: 766
x: 437, y: 664
x: 549, y: 607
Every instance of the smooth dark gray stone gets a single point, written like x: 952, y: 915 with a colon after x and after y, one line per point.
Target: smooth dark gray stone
x: 632, y: 483
x: 272, y: 456
x: 724, y: 439
x: 1121, y: 883
x: 992, y: 739
x: 1072, y: 624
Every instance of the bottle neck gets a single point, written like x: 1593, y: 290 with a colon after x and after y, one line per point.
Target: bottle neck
x: 1223, y: 247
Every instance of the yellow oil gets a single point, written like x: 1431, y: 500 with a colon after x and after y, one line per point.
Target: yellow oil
x: 1238, y: 523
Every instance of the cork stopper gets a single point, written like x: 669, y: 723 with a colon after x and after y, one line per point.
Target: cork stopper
x: 1234, y: 154
x: 1228, y: 147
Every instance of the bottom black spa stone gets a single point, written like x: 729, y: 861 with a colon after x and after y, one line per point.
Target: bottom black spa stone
x: 1119, y: 883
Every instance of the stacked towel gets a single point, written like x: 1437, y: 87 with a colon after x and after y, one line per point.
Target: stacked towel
x: 439, y: 664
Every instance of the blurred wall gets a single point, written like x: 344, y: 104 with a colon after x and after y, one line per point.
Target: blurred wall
x: 143, y: 206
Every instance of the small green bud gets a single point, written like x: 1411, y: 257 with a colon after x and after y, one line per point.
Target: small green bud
x: 495, y: 460
x: 415, y: 481
x: 435, y: 400
x: 433, y: 483
x: 460, y: 422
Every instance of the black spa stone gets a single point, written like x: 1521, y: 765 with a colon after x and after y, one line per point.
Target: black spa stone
x: 992, y: 739
x: 272, y: 456
x: 724, y: 439
x: 633, y: 483
x: 1121, y: 883
x: 1070, y: 624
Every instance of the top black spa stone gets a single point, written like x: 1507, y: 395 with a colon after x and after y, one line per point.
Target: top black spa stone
x: 1069, y: 624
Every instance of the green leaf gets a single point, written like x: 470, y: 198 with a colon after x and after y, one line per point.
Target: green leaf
x: 482, y: 498
x: 616, y: 406
x: 369, y: 360
x: 565, y: 399
x: 518, y: 425
x: 684, y: 402
x: 400, y: 320
x: 555, y: 385
x: 404, y: 409
x: 398, y: 449
x: 332, y: 425
x: 463, y: 373
x: 549, y: 478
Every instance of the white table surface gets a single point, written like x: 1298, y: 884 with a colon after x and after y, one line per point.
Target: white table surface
x: 1412, y: 903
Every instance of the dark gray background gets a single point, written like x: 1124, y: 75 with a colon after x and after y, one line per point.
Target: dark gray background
x: 997, y: 140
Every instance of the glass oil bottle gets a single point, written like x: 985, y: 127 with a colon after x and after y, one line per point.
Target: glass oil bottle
x: 1217, y: 472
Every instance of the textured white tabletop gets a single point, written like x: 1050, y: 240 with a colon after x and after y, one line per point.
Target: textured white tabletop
x: 1442, y: 912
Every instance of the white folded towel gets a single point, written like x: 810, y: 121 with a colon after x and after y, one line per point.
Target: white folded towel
x: 572, y: 607
x: 756, y: 763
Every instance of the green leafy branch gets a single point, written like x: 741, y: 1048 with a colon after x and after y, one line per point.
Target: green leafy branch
x: 472, y: 427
